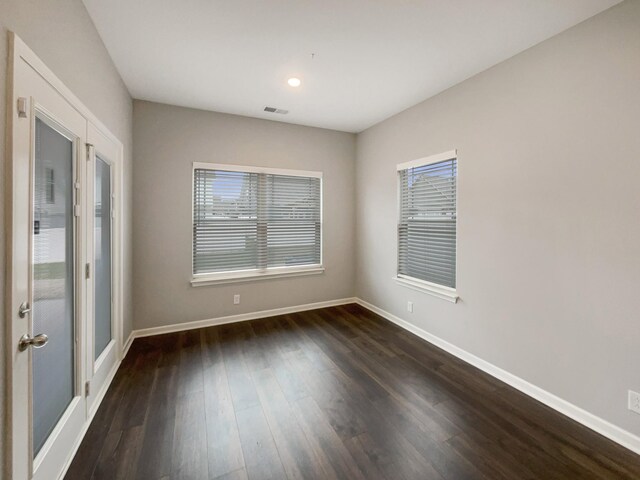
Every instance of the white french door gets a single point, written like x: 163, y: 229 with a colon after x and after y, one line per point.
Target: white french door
x: 64, y: 264
x: 49, y: 409
x: 101, y: 268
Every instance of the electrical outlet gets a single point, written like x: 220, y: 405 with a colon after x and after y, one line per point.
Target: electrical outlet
x: 410, y: 307
x: 634, y: 401
x: 236, y: 299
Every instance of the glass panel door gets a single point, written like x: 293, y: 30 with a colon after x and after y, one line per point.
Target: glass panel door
x: 53, y: 280
x: 56, y: 383
x: 102, y: 253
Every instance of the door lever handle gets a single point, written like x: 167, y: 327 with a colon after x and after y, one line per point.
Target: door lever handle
x: 27, y: 341
x: 24, y: 309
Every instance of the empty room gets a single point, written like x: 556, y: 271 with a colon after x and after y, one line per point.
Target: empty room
x: 304, y: 239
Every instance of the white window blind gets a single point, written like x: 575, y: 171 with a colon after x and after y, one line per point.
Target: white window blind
x: 427, y: 226
x: 255, y: 220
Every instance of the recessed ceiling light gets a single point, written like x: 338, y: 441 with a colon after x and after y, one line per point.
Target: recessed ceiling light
x: 294, y: 82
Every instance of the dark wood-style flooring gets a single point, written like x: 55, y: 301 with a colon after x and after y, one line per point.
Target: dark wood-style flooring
x: 325, y: 394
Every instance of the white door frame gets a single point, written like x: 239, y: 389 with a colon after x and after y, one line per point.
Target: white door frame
x: 18, y: 177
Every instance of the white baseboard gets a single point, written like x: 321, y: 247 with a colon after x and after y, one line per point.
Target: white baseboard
x: 595, y: 423
x: 242, y: 317
x: 127, y: 344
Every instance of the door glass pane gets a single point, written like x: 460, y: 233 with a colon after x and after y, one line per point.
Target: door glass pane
x: 102, y: 260
x: 53, y: 286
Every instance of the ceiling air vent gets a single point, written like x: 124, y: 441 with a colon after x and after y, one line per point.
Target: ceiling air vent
x: 276, y: 110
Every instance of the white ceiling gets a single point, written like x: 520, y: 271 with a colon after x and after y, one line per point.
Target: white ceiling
x: 373, y: 58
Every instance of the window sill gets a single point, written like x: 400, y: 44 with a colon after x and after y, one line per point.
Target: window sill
x: 252, y: 276
x: 444, y: 293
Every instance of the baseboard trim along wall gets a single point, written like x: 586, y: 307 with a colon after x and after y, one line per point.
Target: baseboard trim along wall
x: 127, y: 344
x: 242, y: 317
x: 589, y: 420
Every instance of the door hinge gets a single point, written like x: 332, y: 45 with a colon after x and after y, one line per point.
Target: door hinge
x: 22, y: 107
x: 89, y: 145
x: 76, y: 210
x: 87, y: 270
x: 87, y: 389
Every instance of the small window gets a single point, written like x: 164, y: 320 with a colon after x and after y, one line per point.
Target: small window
x: 427, y: 223
x: 250, y: 222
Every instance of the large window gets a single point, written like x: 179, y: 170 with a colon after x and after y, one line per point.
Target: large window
x: 254, y: 222
x: 427, y: 224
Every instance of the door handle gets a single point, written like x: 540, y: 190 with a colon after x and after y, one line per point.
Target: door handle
x: 27, y: 341
x: 24, y: 309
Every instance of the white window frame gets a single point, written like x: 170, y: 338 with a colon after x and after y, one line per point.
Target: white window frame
x: 236, y: 276
x: 439, y: 291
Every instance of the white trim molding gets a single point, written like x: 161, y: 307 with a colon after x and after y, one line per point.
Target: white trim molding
x: 420, y: 162
x: 127, y: 345
x: 252, y: 169
x: 589, y: 420
x: 242, y: 317
x: 253, y: 275
x: 439, y: 291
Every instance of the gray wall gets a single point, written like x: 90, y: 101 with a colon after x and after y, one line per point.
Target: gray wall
x: 167, y: 140
x: 61, y: 33
x: 549, y: 237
